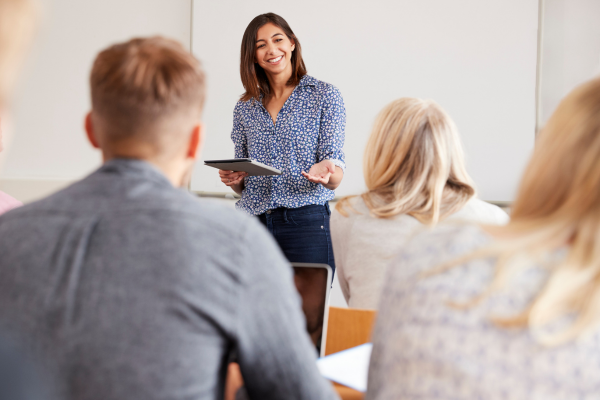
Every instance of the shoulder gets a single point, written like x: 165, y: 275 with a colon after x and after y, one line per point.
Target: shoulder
x: 323, y: 89
x: 476, y: 210
x: 149, y: 203
x: 431, y: 247
x: 8, y: 202
x: 243, y: 107
x: 360, y: 215
x: 353, y: 207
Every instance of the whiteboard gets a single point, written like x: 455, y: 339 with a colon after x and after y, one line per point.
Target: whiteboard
x: 53, y: 96
x: 476, y: 58
x: 570, y: 50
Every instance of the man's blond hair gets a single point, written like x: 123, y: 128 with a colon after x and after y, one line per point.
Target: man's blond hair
x: 142, y: 89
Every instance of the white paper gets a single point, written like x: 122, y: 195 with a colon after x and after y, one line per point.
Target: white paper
x: 349, y: 367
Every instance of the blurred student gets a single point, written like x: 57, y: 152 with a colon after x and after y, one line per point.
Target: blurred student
x: 511, y: 312
x: 18, y: 380
x: 415, y: 175
x: 16, y: 27
x: 127, y: 286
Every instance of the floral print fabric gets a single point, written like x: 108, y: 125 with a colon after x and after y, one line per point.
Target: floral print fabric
x: 309, y: 128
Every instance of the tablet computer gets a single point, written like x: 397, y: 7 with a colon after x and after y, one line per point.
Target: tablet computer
x: 253, y: 168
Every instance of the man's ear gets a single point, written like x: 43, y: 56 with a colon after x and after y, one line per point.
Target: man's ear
x: 196, y: 141
x: 89, y: 130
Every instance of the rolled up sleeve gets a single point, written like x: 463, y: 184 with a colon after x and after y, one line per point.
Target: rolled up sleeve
x: 333, y: 128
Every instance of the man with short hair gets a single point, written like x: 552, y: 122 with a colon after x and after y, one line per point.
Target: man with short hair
x: 130, y: 288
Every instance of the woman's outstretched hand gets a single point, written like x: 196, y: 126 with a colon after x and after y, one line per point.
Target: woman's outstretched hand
x: 320, y: 172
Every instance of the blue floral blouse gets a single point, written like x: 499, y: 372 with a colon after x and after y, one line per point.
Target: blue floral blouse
x: 309, y: 129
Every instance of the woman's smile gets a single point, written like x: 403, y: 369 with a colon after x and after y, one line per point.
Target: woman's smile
x: 275, y: 60
x: 274, y: 49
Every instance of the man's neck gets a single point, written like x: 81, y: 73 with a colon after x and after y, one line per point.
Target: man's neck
x: 178, y: 172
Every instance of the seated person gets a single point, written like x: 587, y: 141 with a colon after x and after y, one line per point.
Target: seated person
x: 16, y: 27
x: 18, y: 380
x: 128, y: 287
x: 509, y: 312
x: 415, y: 175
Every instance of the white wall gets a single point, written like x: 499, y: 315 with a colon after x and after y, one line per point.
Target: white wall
x: 477, y: 58
x: 570, y: 49
x: 49, y: 148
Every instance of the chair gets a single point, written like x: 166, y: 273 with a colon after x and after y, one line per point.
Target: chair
x: 347, y: 328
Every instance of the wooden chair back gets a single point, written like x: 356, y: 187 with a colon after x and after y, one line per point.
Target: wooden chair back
x: 348, y: 327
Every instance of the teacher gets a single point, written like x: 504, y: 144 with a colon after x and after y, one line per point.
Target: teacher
x: 292, y: 122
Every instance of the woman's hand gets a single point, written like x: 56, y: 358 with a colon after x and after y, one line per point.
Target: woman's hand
x: 233, y: 179
x: 320, y: 173
x: 326, y: 173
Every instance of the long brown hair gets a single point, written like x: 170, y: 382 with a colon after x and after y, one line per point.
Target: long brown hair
x: 413, y: 164
x: 253, y: 76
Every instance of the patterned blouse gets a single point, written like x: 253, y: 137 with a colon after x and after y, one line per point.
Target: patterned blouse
x: 309, y: 129
x: 425, y: 349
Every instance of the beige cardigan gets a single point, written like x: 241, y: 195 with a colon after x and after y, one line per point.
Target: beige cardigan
x: 363, y: 245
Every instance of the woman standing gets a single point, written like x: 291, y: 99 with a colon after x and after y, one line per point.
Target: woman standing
x: 295, y: 123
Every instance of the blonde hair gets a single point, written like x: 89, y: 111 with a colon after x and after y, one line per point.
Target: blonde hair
x: 140, y: 87
x: 17, y: 20
x: 413, y: 163
x: 558, y: 205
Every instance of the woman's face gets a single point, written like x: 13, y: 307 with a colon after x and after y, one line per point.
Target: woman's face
x: 274, y: 50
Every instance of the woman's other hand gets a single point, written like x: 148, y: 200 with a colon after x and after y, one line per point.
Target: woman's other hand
x: 233, y: 179
x: 326, y: 173
x: 320, y: 172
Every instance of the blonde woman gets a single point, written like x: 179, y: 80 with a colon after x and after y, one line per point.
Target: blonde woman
x: 415, y: 175
x: 513, y: 312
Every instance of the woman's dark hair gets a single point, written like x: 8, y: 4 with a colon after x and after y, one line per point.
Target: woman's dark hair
x: 253, y: 75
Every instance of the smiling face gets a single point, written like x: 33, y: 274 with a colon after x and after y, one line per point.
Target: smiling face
x: 274, y: 50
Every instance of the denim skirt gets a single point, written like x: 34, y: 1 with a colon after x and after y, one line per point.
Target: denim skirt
x: 302, y: 233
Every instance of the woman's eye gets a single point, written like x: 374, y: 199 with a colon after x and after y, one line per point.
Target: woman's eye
x: 278, y: 40
x: 260, y: 46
